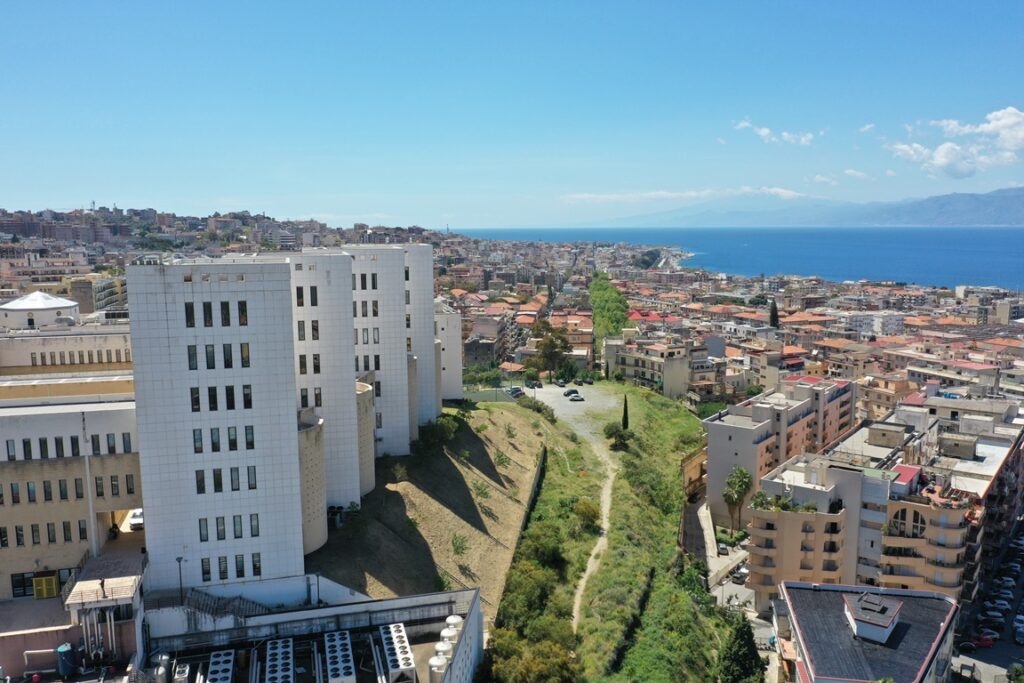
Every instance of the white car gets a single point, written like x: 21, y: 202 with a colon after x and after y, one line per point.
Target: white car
x: 1018, y: 621
x: 1004, y: 582
x: 989, y: 633
x: 997, y: 605
x: 135, y: 521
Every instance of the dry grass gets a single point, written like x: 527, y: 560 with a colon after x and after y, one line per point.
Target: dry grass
x: 401, y: 542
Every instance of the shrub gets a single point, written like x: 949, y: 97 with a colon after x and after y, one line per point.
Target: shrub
x: 399, y: 472
x: 510, y: 431
x: 542, y: 543
x: 501, y: 459
x: 538, y: 407
x: 481, y: 428
x: 481, y: 490
x: 587, y: 514
x: 459, y: 545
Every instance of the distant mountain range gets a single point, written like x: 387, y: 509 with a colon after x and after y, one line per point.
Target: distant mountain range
x: 999, y: 208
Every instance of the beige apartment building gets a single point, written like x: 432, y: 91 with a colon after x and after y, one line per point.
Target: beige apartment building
x: 904, y: 503
x: 878, y: 395
x: 666, y: 366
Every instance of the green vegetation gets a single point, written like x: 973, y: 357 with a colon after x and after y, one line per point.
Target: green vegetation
x: 434, y: 435
x: 739, y: 662
x: 647, y: 258
x: 609, y: 306
x: 482, y: 374
x: 754, y: 390
x: 706, y: 410
x: 538, y: 407
x: 773, y: 314
x: 625, y: 412
x: 762, y: 501
x: 620, y: 437
x: 730, y: 538
x: 737, y: 485
x: 635, y: 618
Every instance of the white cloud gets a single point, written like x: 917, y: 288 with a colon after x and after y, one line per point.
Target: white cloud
x: 768, y: 136
x: 854, y: 173
x: 891, y: 173
x: 981, y: 146
x: 866, y: 128
x: 680, y: 195
x: 825, y: 179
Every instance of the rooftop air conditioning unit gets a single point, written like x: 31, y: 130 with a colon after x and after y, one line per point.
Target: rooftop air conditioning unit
x: 279, y: 664
x: 398, y: 654
x: 222, y: 667
x: 341, y: 667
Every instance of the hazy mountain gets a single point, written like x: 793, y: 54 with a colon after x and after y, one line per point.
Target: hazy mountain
x: 999, y: 208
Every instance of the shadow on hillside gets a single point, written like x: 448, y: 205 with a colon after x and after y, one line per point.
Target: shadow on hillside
x: 467, y: 439
x: 369, y: 543
x: 439, y: 477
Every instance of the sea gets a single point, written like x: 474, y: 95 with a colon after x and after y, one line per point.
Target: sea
x: 940, y: 257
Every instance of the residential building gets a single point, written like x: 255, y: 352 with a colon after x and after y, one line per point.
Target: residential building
x: 859, y: 634
x: 878, y: 395
x: 448, y: 323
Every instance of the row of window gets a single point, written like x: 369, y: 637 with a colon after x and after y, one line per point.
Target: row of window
x: 35, y: 534
x: 366, y: 363
x: 198, y: 441
x: 368, y: 308
x: 222, y: 567
x: 74, y: 446
x: 234, y: 479
x: 314, y: 330
x: 303, y: 366
x: 362, y: 281
x: 82, y: 357
x: 225, y: 314
x: 227, y: 356
x: 300, y: 298
x: 23, y: 585
x: 31, y: 492
x: 212, y: 402
x: 221, y: 529
x: 304, y: 397
x: 366, y: 335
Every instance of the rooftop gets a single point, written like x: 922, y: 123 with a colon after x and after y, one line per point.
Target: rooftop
x: 38, y: 301
x: 831, y: 650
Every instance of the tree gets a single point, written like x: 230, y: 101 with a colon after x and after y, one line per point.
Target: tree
x: 754, y: 390
x: 587, y: 513
x: 620, y: 437
x: 773, y: 315
x: 738, y: 661
x: 737, y: 486
x: 625, y: 412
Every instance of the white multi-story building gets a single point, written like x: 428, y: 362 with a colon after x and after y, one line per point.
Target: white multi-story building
x: 254, y: 379
x: 448, y: 323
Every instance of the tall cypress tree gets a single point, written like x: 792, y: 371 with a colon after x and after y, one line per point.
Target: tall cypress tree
x: 625, y: 412
x: 773, y: 315
x: 738, y: 660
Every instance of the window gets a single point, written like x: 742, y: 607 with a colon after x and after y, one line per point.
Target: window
x: 366, y: 335
x: 62, y: 488
x: 26, y: 449
x: 204, y: 530
x: 51, y: 532
x: 35, y: 534
x: 211, y: 357
x: 129, y: 484
x: 302, y: 364
x: 205, y: 564
x: 317, y: 398
x: 3, y: 536
x: 58, y: 446
x: 197, y: 440
x: 211, y: 397
x: 44, y: 448
x: 31, y: 488
x: 254, y: 525
x: 239, y: 566
x: 379, y: 421
x: 376, y: 361
x: 15, y: 493
x: 407, y: 273
x: 366, y: 363
x: 82, y: 533
x: 298, y: 297
x: 218, y: 481
x: 376, y: 310
x: 222, y: 566
x: 246, y: 396
x: 250, y: 438
x: 75, y: 450
x: 229, y: 397
x: 194, y: 395
x: 200, y: 482
x: 312, y: 296
x: 19, y: 535
x: 243, y: 314
x: 79, y: 488
x: 408, y: 321
x: 373, y: 281
x: 207, y: 314
x: 251, y: 472
x: 237, y: 524
x: 376, y: 388
x: 316, y: 363
x: 111, y: 444
x: 35, y: 360
x: 235, y: 486
x: 407, y: 297
x: 126, y: 441
x: 304, y: 398
x: 376, y: 335
x: 99, y: 487
x: 243, y: 350
x: 354, y: 309
x: 314, y: 329
x: 302, y: 330
x: 225, y: 314
x: 47, y: 491
x: 228, y: 360
x: 232, y: 439
x: 364, y: 307
x: 221, y: 529
x: 190, y: 318
x: 362, y: 281
x: 215, y: 439
x: 257, y: 565
x: 193, y: 361
x: 66, y: 529
x: 115, y: 487
x: 11, y: 453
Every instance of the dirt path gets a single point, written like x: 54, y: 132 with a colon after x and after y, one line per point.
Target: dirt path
x: 587, y: 419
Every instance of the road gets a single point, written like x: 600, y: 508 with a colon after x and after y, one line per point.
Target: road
x: 587, y: 418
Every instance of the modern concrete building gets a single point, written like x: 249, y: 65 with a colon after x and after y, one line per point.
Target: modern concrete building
x: 448, y: 323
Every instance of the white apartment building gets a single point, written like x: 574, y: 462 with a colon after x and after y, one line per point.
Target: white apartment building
x: 448, y: 324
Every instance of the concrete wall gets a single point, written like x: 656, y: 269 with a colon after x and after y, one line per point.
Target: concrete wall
x: 313, y: 475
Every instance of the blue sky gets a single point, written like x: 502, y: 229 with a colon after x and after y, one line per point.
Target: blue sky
x: 483, y: 114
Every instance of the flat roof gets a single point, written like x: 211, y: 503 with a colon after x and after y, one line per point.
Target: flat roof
x: 832, y: 651
x: 63, y: 408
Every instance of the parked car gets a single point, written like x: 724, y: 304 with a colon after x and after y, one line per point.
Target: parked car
x: 1018, y: 636
x: 1002, y: 594
x: 588, y: 380
x: 981, y: 641
x: 559, y: 382
x: 576, y: 397
x: 997, y: 605
x: 1012, y: 567
x: 578, y: 382
x: 570, y: 392
x: 1018, y: 621
x: 135, y: 520
x: 741, y: 574
x: 1004, y: 582
x: 967, y: 647
x: 723, y: 549
x: 989, y: 633
x: 989, y: 613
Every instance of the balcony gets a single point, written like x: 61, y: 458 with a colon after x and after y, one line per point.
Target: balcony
x: 758, y: 550
x: 759, y: 532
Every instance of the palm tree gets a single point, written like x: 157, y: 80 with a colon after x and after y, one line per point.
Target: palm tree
x: 737, y: 485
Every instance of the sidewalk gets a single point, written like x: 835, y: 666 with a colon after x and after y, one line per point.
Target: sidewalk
x: 719, y: 566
